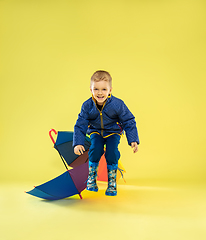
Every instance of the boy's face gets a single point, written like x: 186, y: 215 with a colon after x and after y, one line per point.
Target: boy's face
x: 100, y: 91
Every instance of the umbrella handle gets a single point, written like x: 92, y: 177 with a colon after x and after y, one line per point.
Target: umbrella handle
x: 50, y: 134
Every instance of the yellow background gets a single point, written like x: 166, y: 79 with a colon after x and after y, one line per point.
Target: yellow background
x: 155, y: 52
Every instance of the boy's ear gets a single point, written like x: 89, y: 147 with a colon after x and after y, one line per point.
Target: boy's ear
x: 110, y: 90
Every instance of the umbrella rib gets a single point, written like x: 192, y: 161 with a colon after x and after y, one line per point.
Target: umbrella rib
x: 46, y: 193
x: 61, y: 157
x: 87, y: 144
x: 87, y: 159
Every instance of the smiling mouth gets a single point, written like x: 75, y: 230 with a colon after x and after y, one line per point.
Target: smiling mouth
x: 100, y: 97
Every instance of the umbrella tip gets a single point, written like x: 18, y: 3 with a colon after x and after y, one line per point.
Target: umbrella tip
x: 80, y: 195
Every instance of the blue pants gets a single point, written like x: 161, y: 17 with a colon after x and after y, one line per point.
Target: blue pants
x: 96, y: 149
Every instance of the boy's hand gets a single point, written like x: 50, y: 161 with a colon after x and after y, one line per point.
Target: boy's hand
x: 134, y: 146
x: 79, y: 149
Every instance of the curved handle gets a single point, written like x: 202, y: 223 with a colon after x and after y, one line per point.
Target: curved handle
x: 50, y: 134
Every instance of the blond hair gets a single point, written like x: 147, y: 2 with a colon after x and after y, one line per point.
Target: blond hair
x: 101, y: 75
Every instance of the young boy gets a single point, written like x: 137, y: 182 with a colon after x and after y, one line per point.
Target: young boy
x: 104, y: 117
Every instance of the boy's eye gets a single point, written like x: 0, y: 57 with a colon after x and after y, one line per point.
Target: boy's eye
x: 96, y: 89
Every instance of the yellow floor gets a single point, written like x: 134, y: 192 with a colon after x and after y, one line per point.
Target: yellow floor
x: 141, y: 211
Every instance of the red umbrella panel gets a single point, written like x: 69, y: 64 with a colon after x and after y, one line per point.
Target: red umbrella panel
x: 102, y: 171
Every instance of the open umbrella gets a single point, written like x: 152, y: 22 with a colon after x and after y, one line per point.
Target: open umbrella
x: 72, y: 181
x: 67, y: 184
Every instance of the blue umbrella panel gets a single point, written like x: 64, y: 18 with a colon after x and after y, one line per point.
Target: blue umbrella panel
x: 65, y: 149
x: 66, y: 185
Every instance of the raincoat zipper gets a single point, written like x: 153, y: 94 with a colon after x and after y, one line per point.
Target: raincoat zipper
x: 102, y: 126
x: 101, y: 118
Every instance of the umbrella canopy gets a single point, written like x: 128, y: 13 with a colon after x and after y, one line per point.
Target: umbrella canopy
x: 66, y: 185
x: 72, y: 181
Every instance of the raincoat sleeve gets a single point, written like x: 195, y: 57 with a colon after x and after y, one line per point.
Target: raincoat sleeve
x: 129, y: 124
x: 81, y: 126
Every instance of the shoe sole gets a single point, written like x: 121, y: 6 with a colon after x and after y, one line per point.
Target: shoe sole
x: 111, y: 194
x: 92, y: 189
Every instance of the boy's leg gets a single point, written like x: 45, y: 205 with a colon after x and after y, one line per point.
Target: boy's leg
x: 96, y: 149
x: 95, y: 152
x: 112, y: 156
x: 112, y: 153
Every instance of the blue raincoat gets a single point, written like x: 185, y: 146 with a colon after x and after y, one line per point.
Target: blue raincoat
x: 113, y: 118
